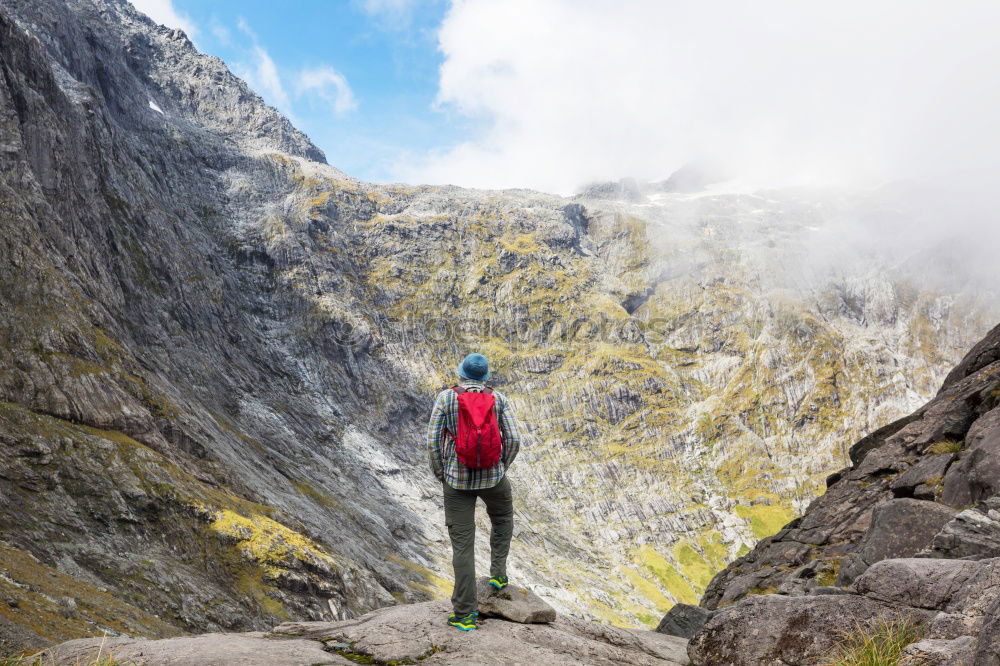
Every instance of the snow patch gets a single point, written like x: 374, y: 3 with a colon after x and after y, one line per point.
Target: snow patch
x: 156, y: 107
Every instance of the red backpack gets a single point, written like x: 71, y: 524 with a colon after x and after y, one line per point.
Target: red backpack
x: 477, y: 443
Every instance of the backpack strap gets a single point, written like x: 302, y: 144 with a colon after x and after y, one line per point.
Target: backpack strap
x: 488, y: 389
x: 458, y: 389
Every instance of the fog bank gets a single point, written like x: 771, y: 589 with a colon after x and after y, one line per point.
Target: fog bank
x: 565, y: 92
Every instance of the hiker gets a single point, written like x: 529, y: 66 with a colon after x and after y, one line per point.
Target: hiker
x: 472, y: 440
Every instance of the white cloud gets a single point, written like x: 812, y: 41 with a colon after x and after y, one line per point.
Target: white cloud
x: 321, y: 83
x: 263, y: 77
x: 329, y: 85
x: 262, y: 74
x: 222, y: 33
x: 164, y: 12
x: 568, y: 91
x: 392, y: 14
x: 388, y: 6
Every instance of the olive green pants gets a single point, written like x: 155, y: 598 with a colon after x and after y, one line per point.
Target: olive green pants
x: 459, y: 516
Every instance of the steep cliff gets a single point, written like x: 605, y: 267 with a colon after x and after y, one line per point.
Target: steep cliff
x: 157, y: 438
x: 911, y: 529
x: 218, y: 354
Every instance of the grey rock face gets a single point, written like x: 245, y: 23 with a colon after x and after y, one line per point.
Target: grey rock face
x: 972, y: 534
x: 828, y: 590
x: 940, y: 652
x: 954, y: 601
x: 122, y: 448
x: 772, y: 630
x: 419, y: 632
x: 927, y: 472
x: 684, y: 620
x: 977, y: 475
x: 948, y: 626
x: 899, y: 528
x: 944, y: 585
x: 252, y: 649
x: 988, y: 646
x: 513, y: 603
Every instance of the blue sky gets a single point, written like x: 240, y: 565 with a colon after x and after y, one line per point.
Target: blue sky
x: 360, y: 78
x: 555, y: 94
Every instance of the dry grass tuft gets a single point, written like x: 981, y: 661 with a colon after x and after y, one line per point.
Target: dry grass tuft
x: 945, y: 446
x: 880, y: 644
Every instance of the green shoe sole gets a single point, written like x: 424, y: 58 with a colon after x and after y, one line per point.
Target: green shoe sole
x: 466, y: 623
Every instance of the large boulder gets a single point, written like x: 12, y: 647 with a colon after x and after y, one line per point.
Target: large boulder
x: 684, y: 620
x: 514, y: 603
x: 777, y: 630
x: 418, y: 633
x: 251, y: 649
x: 965, y: 592
x: 976, y: 476
x: 973, y: 534
x: 988, y: 648
x: 919, y: 480
x: 939, y: 652
x: 964, y: 586
x: 409, y: 634
x: 899, y: 528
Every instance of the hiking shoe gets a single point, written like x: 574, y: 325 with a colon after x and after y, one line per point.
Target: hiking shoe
x: 499, y: 582
x: 465, y: 623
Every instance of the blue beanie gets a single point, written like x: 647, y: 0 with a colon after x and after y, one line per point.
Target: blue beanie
x: 474, y: 367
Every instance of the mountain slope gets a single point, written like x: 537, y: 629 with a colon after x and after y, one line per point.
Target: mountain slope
x: 134, y: 338
x: 909, y: 530
x: 219, y: 352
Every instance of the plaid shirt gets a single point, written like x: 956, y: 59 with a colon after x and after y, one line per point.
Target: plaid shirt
x: 441, y: 446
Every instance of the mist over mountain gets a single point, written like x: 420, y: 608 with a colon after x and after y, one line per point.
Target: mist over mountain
x: 219, y: 354
x: 779, y: 94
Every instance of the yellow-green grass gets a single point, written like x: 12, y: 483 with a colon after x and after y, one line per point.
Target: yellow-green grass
x: 765, y: 519
x: 880, y: 644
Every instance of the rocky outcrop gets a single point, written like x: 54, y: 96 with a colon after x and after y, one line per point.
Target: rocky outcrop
x: 899, y: 528
x: 250, y: 649
x: 513, y: 603
x: 950, y: 600
x: 929, y: 558
x: 985, y: 353
x: 918, y: 481
x: 401, y: 634
x: 39, y: 605
x: 939, y: 652
x: 862, y: 517
x: 987, y: 651
x: 773, y: 630
x: 973, y: 533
